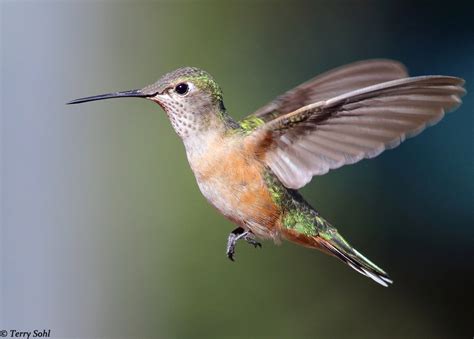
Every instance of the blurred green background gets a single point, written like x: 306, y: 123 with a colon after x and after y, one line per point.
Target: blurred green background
x: 105, y: 235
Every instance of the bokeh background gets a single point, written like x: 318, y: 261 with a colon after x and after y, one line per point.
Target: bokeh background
x: 104, y: 233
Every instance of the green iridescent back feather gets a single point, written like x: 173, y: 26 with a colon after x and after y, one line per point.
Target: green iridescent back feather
x: 251, y: 123
x: 297, y: 213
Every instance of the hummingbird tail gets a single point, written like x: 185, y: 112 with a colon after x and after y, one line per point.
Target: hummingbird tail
x: 331, y: 242
x: 336, y: 245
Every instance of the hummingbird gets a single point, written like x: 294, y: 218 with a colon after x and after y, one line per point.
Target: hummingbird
x: 250, y: 170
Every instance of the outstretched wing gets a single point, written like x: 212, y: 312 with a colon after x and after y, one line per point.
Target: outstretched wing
x: 352, y: 126
x: 333, y: 83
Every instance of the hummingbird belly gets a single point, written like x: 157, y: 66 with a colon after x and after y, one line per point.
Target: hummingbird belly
x: 233, y: 183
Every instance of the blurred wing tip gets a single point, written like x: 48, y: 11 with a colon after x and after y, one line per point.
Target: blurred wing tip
x: 454, y: 80
x: 378, y: 60
x: 394, y: 64
x: 460, y: 81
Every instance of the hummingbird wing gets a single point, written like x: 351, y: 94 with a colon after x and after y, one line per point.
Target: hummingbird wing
x: 333, y: 83
x: 352, y: 126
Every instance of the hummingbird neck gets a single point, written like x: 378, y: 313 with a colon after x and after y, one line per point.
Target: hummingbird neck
x: 213, y: 117
x: 227, y: 121
x: 212, y: 128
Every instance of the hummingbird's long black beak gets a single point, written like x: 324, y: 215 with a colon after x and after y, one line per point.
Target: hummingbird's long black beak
x: 125, y: 94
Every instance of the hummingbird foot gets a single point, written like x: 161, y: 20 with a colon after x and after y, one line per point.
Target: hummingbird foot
x: 236, y: 235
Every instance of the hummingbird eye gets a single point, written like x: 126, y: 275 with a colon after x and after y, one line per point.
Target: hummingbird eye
x: 182, y: 88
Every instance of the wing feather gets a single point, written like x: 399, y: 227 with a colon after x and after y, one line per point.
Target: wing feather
x: 349, y: 127
x: 333, y: 83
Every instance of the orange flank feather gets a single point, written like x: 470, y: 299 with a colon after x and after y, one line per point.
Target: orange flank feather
x: 302, y: 239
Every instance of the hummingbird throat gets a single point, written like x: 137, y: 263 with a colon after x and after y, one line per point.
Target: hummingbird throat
x: 189, y: 120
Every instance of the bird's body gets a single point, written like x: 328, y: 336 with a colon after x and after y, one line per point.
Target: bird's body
x: 250, y: 170
x: 233, y: 177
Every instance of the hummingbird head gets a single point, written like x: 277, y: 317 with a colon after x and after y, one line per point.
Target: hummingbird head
x: 190, y: 97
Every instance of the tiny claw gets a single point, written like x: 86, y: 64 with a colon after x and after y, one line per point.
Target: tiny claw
x: 231, y: 256
x: 256, y: 244
x: 250, y: 238
x: 231, y: 241
x: 234, y: 236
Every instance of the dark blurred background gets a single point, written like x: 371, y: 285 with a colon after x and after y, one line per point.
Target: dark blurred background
x: 104, y: 233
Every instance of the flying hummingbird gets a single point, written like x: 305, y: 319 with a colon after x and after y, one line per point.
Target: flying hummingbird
x: 250, y: 170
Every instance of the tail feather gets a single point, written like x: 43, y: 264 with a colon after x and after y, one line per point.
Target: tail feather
x: 331, y: 242
x: 340, y: 248
x: 303, y: 225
